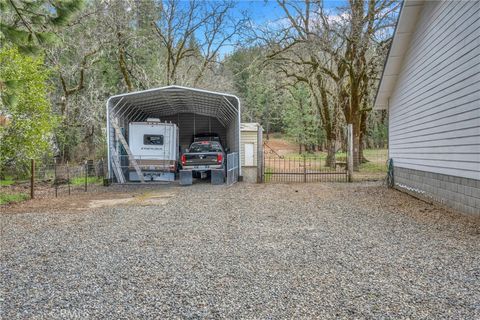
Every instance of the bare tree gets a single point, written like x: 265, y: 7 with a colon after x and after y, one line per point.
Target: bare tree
x: 296, y: 52
x: 341, y: 52
x: 361, y: 27
x: 195, y: 31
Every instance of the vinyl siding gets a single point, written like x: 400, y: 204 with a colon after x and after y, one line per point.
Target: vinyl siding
x: 435, y: 106
x: 249, y: 137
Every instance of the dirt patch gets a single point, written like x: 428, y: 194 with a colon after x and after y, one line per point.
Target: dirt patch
x: 108, y: 202
x: 282, y: 147
x: 105, y: 197
x: 369, y: 176
x: 63, y: 204
x: 154, y: 199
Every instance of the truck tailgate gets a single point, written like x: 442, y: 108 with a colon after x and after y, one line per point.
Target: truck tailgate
x: 200, y: 159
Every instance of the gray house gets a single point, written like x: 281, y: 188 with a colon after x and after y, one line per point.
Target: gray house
x: 431, y: 88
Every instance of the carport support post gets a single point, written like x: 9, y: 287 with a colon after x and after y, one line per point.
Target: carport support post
x: 350, y: 152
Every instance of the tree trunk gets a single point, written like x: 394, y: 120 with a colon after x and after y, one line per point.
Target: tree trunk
x: 356, y: 145
x: 363, y: 132
x: 123, y: 69
x: 330, y: 161
x: 91, y: 143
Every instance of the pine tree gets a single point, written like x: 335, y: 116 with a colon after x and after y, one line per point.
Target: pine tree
x: 29, y: 25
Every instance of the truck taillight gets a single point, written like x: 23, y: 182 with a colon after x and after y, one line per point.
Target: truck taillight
x: 184, y: 159
x: 219, y: 158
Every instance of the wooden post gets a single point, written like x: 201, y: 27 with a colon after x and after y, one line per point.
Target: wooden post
x: 350, y: 152
x: 68, y: 178
x: 260, y: 162
x: 55, y: 181
x: 304, y: 169
x: 32, y: 179
x: 86, y: 175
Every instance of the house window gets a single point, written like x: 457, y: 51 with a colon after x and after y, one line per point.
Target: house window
x: 153, y: 139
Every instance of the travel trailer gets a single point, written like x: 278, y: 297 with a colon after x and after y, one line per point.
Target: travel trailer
x: 154, y: 146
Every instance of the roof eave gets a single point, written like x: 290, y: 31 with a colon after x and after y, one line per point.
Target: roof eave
x: 404, y: 30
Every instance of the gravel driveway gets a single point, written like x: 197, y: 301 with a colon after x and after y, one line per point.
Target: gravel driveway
x: 249, y: 251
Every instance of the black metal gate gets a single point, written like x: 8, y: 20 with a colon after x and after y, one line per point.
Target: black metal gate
x: 305, y: 167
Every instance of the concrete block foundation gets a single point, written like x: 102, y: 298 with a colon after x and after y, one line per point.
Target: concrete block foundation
x: 461, y: 194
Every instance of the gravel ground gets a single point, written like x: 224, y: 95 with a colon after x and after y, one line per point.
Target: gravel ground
x: 248, y: 251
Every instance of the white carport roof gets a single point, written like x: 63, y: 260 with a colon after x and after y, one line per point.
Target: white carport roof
x: 172, y: 100
x: 406, y: 24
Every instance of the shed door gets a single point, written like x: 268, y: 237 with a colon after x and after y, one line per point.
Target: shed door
x: 249, y: 147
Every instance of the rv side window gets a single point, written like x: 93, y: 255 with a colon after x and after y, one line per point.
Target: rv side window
x: 149, y: 139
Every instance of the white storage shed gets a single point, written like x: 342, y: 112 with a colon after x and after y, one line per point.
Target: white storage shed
x: 251, y: 151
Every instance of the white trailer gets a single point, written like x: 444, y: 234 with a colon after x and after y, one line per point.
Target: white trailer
x: 155, y: 147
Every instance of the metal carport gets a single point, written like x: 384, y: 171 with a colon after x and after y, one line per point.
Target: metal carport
x: 192, y: 110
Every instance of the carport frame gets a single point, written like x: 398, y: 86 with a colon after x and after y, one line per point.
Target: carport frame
x: 168, y: 103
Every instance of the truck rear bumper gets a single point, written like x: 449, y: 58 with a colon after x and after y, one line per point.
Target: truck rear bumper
x: 202, y: 168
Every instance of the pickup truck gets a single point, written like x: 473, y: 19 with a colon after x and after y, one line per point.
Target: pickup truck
x: 202, y: 156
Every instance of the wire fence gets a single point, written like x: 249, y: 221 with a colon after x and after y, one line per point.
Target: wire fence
x: 372, y: 161
x: 51, y: 179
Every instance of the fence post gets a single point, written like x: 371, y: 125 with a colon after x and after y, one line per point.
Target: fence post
x: 86, y: 175
x: 55, y: 181
x: 68, y: 178
x: 260, y: 155
x: 32, y: 179
x: 350, y: 152
x: 304, y: 169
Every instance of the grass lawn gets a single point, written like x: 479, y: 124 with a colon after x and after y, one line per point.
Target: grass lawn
x: 268, y: 175
x: 13, y: 197
x: 373, y: 167
x: 8, y: 181
x: 373, y: 155
x: 81, y: 180
x: 377, y: 159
